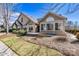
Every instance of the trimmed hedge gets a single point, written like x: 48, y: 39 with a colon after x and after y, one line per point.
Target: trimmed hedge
x: 77, y: 35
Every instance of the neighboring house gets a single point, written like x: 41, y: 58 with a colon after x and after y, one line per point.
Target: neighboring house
x: 50, y: 22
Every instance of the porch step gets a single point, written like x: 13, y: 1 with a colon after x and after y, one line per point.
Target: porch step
x: 57, y: 32
x: 43, y: 34
x: 49, y: 33
x: 46, y: 33
x: 37, y: 34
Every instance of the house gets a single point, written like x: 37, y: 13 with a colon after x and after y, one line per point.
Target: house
x: 51, y: 22
x: 25, y: 22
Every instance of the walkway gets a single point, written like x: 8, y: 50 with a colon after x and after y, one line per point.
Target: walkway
x: 5, y: 51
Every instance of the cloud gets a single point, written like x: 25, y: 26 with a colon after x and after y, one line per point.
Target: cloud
x: 13, y: 17
x: 15, y: 14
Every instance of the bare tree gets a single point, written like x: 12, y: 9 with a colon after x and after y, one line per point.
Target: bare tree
x: 56, y: 7
x: 6, y: 10
x: 69, y: 25
x: 70, y: 8
x: 75, y: 25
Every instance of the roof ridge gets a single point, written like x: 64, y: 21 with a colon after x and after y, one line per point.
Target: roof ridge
x: 59, y: 15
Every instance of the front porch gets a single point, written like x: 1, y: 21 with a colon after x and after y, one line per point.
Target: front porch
x: 49, y: 27
x: 47, y: 33
x: 45, y: 29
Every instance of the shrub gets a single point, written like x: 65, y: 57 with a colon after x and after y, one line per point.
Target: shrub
x: 3, y: 30
x: 15, y: 31
x: 77, y: 35
x: 74, y: 31
x: 22, y: 32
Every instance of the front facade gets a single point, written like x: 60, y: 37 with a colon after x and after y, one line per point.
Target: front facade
x: 49, y: 23
x: 25, y: 22
x: 52, y: 23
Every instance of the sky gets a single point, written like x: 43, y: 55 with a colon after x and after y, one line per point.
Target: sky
x: 38, y: 10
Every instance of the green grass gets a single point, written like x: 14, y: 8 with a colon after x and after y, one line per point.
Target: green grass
x: 24, y: 48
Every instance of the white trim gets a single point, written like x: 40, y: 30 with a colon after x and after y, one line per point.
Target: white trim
x: 53, y: 26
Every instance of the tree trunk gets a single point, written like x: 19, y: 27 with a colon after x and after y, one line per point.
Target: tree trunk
x: 7, y: 19
x: 7, y: 29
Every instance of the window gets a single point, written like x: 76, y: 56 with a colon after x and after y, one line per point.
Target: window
x: 21, y: 19
x: 50, y: 19
x: 30, y: 29
x: 49, y: 26
x: 42, y: 26
x: 56, y: 26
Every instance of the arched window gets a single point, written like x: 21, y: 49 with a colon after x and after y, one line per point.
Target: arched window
x: 50, y: 19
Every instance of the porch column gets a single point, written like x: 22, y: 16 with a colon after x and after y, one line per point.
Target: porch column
x: 45, y: 26
x: 34, y: 28
x: 40, y: 27
x: 27, y: 28
x: 53, y: 26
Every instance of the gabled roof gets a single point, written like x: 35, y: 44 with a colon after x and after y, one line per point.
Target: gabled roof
x: 42, y: 19
x: 30, y: 18
x: 53, y: 15
x: 27, y: 16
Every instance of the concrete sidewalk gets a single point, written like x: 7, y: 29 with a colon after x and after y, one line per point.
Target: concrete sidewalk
x: 5, y: 51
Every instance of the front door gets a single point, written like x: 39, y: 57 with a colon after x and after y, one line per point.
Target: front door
x: 38, y: 28
x: 49, y: 26
x: 56, y: 26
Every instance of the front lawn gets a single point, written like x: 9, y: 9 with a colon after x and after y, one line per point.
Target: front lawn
x: 23, y: 48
